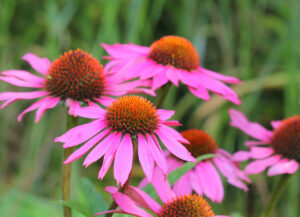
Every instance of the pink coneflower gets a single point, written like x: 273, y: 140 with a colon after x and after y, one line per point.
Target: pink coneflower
x: 75, y: 76
x: 204, y: 178
x: 278, y: 149
x: 127, y: 121
x: 133, y: 201
x: 171, y: 58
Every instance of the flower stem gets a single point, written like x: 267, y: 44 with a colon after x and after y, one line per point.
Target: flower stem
x: 114, y: 205
x: 162, y: 95
x: 66, y: 170
x: 282, y: 182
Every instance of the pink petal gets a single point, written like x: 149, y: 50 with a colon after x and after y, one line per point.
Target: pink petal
x: 24, y: 75
x: 173, y: 75
x: 142, y: 199
x: 241, y: 156
x: 255, y: 130
x: 211, y: 182
x: 86, y: 147
x: 41, y: 65
x: 145, y: 156
x: 218, y: 88
x: 196, y: 183
x: 255, y: 143
x: 165, y: 114
x: 258, y: 166
x: 49, y: 102
x: 162, y: 186
x: 128, y: 206
x: 42, y: 105
x: 261, y: 152
x: 174, y: 146
x: 171, y: 123
x: 123, y: 160
x: 110, y: 155
x: 81, y: 133
x: 183, y: 185
x: 125, y: 51
x: 99, y: 150
x: 21, y: 83
x: 157, y: 154
x: 229, y: 170
x: 91, y: 112
x: 275, y: 124
x: 284, y: 166
x: 227, y: 79
x: 170, y: 131
x: 160, y: 79
x: 200, y: 92
x: 13, y: 96
x: 109, y: 211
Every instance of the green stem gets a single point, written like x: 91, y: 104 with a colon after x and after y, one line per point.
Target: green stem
x: 66, y: 170
x: 282, y: 182
x: 162, y: 95
x: 114, y: 205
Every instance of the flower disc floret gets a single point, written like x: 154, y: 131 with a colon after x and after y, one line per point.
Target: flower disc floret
x: 286, y: 138
x: 175, y: 51
x: 133, y: 115
x: 200, y: 142
x: 76, y: 75
x: 187, y: 205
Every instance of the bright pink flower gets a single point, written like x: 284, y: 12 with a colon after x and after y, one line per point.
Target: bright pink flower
x: 133, y: 201
x: 204, y: 177
x: 129, y: 120
x: 278, y: 149
x: 75, y: 76
x: 171, y: 58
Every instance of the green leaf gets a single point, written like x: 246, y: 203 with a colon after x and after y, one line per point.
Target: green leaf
x: 77, y: 206
x: 92, y: 197
x: 176, y: 174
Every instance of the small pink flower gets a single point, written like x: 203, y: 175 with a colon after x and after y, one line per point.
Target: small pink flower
x: 133, y: 201
x: 278, y: 149
x: 126, y: 120
x: 75, y: 76
x: 171, y: 58
x: 204, y: 177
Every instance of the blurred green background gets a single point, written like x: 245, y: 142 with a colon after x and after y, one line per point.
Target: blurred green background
x: 255, y: 40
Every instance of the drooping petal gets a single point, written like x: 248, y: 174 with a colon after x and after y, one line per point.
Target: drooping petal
x: 142, y: 199
x: 86, y: 147
x: 261, y: 152
x: 183, y: 185
x: 258, y: 166
x: 123, y: 160
x: 91, y: 112
x: 21, y: 83
x: 128, y: 206
x: 162, y: 186
x: 99, y: 150
x: 42, y: 105
x: 24, y: 75
x: 284, y: 166
x: 210, y: 180
x: 196, y: 183
x: 165, y: 114
x: 173, y: 75
x: 41, y: 65
x: 145, y: 156
x: 14, y: 96
x: 275, y: 124
x: 255, y: 130
x: 81, y: 133
x: 157, y: 154
x: 241, y: 156
x: 174, y: 146
x: 159, y: 80
x: 225, y: 78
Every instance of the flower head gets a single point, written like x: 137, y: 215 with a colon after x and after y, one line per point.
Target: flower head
x: 171, y: 58
x: 127, y: 122
x: 278, y: 149
x: 133, y: 201
x: 75, y: 76
x: 204, y: 177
